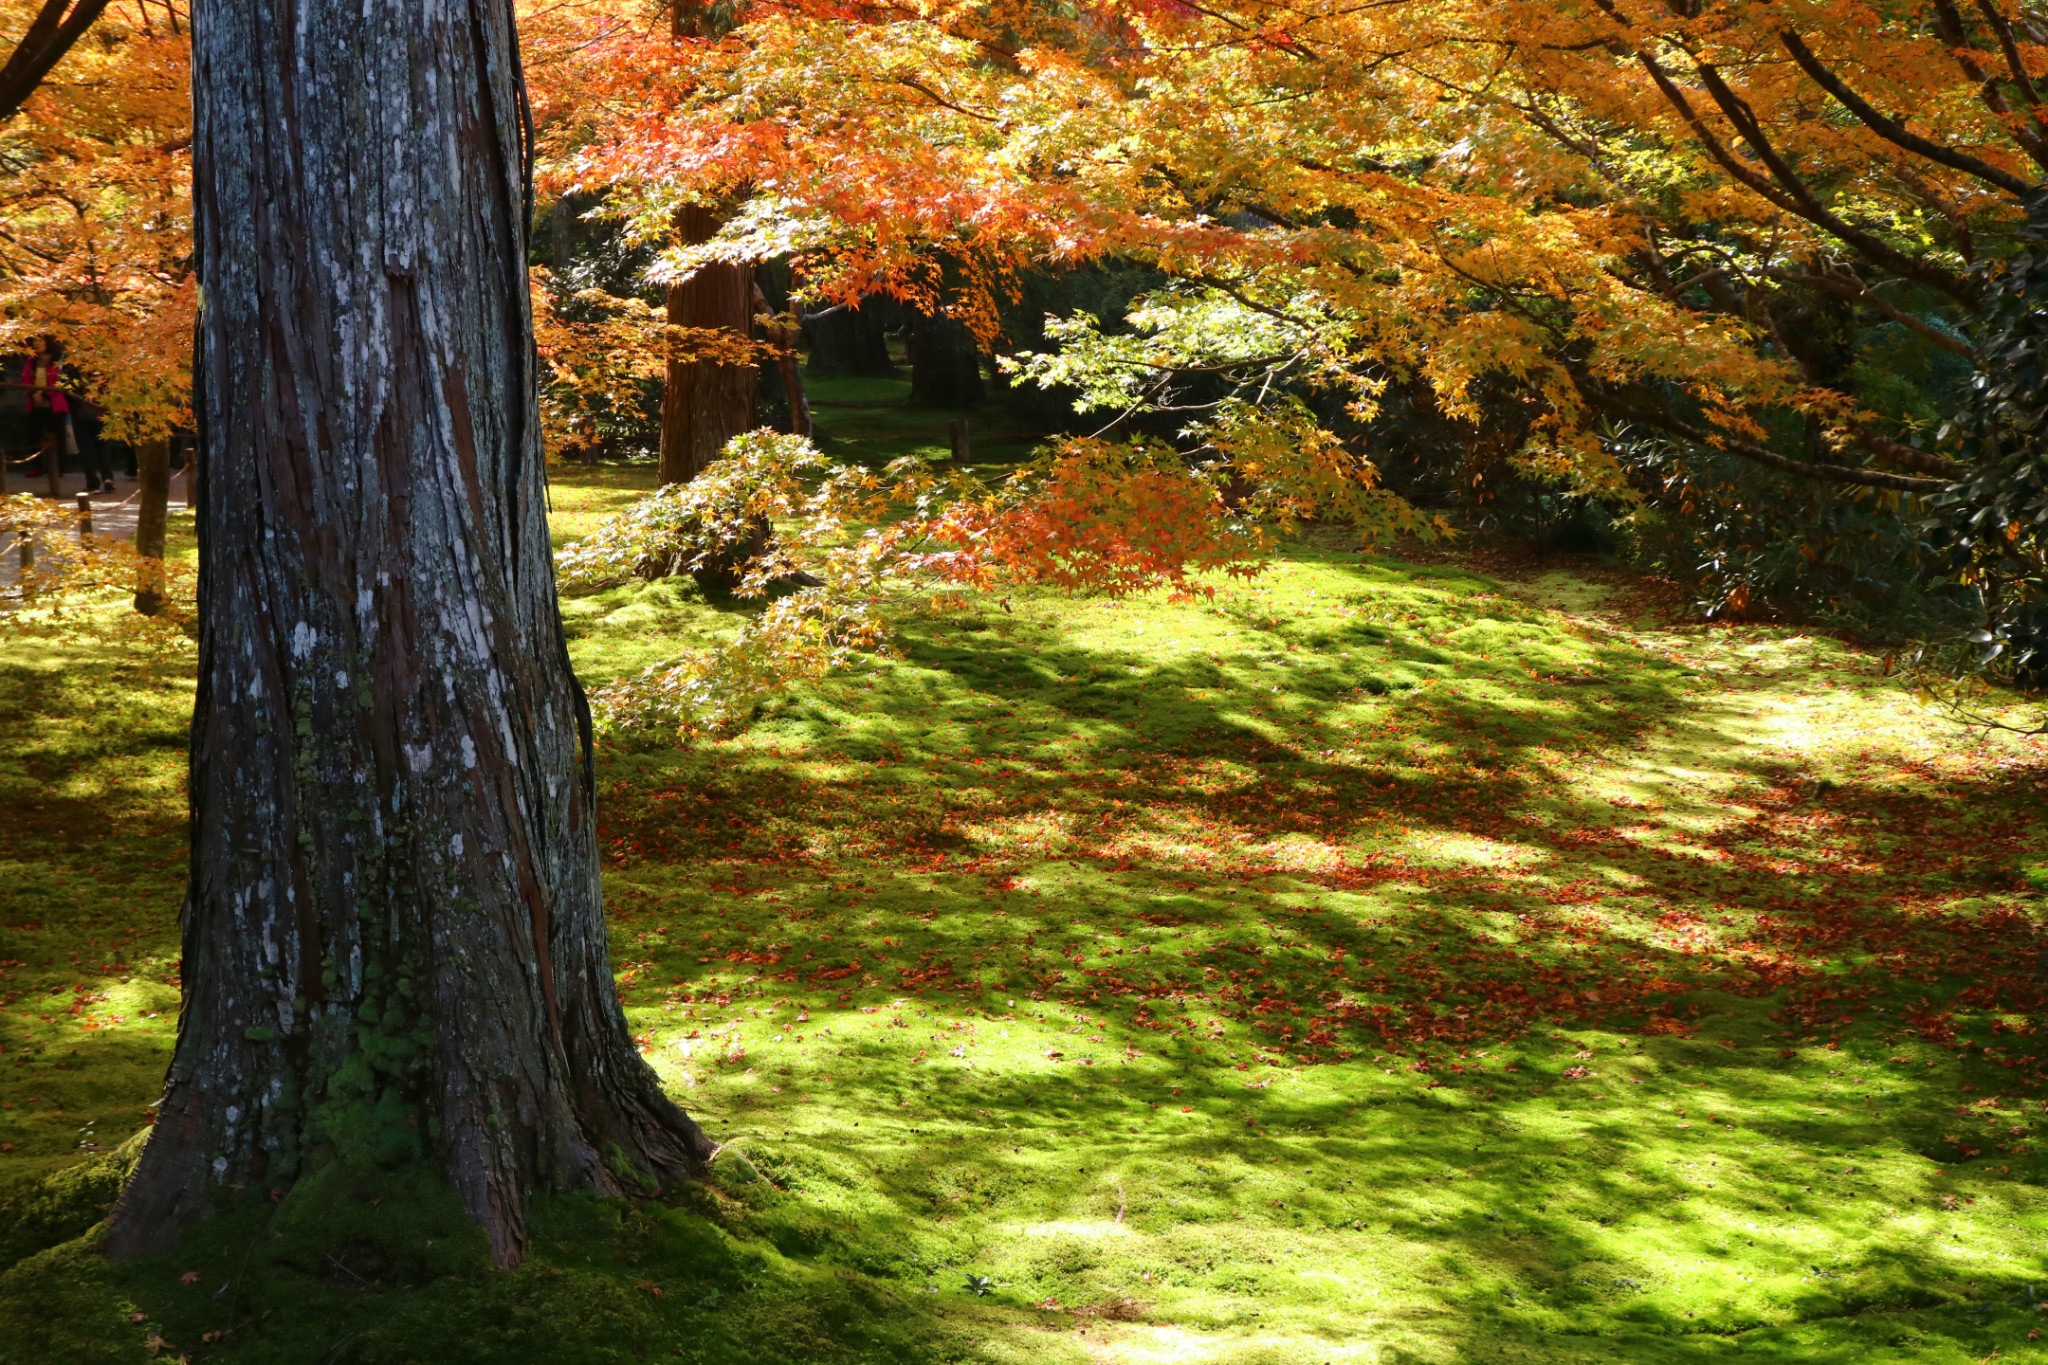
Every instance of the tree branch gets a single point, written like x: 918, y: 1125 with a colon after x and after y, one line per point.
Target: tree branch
x: 1757, y: 454
x: 2002, y: 31
x: 1858, y: 292
x: 1715, y: 147
x: 48, y: 37
x: 1890, y: 129
x: 1949, y: 24
x: 1898, y: 452
x: 936, y: 98
x: 1809, y: 207
x: 1790, y: 193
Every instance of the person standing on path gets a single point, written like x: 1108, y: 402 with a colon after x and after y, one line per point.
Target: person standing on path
x: 41, y: 375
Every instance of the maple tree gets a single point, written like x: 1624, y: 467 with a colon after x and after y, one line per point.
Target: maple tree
x: 95, y: 214
x: 1596, y: 229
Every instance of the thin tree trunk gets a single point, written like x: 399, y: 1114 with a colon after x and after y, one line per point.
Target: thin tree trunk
x: 50, y: 454
x: 152, y: 510
x: 394, y: 946
x: 565, y: 230
x: 783, y: 334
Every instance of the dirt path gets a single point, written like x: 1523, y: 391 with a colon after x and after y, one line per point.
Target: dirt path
x: 113, y: 514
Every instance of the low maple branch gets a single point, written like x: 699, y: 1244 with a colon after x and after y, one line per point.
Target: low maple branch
x: 1876, y: 442
x: 1856, y: 291
x: 1755, y: 453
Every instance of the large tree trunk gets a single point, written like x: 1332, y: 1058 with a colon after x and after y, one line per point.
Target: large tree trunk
x: 706, y: 402
x: 394, y: 947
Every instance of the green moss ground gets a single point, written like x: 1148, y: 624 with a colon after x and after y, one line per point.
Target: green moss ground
x: 1379, y: 962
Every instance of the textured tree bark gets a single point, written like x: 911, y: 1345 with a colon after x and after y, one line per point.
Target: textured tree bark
x: 705, y: 403
x: 394, y: 947
x: 152, y: 510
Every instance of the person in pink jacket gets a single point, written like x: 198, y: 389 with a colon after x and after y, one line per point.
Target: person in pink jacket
x: 42, y: 376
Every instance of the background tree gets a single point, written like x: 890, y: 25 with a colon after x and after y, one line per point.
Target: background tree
x: 394, y: 947
x: 95, y: 217
x: 709, y: 392
x: 712, y: 381
x: 850, y: 340
x: 945, y: 364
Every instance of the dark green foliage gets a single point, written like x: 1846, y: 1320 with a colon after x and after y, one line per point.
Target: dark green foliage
x: 1753, y: 545
x: 1106, y: 290
x: 1751, y: 542
x: 1999, y: 513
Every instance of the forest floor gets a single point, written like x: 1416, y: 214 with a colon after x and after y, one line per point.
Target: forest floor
x: 1380, y: 961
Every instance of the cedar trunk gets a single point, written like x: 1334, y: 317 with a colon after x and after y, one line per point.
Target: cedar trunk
x: 394, y: 947
x: 705, y: 403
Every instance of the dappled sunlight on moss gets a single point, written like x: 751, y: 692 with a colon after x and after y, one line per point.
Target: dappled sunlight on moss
x: 1376, y: 963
